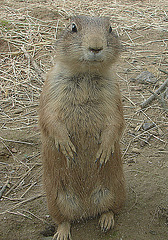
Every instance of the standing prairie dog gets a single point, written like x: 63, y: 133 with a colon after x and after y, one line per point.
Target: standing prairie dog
x: 81, y: 121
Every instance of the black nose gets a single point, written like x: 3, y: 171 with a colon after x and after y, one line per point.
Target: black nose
x: 95, y: 50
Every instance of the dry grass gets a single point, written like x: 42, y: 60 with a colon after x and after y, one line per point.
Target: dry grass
x: 27, y: 40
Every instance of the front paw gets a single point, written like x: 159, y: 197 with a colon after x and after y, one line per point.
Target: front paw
x: 104, y: 153
x: 66, y: 147
x: 106, y: 221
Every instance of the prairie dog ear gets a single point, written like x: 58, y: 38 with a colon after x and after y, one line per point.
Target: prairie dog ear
x: 107, y: 18
x: 74, y: 18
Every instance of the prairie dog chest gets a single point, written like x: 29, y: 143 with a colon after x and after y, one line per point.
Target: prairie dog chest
x: 84, y: 89
x: 82, y: 94
x: 82, y: 101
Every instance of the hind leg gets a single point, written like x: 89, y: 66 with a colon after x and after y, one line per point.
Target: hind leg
x: 61, y: 203
x: 106, y: 221
x: 63, y: 232
x: 114, y: 196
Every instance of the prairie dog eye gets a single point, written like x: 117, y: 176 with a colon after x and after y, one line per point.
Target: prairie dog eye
x: 74, y: 28
x: 110, y: 29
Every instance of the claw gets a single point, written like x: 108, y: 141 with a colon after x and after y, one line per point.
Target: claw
x: 72, y: 147
x: 67, y: 149
x: 58, y: 148
x: 106, y: 221
x: 103, y: 158
x: 57, y: 145
x: 103, y: 155
x: 100, y: 165
x: 63, y: 232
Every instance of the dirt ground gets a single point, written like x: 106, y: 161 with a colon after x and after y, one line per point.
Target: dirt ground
x: 143, y: 29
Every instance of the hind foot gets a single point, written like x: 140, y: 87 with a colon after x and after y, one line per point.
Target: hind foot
x: 106, y: 221
x: 63, y: 232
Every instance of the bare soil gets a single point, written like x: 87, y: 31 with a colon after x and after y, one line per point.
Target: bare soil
x: 143, y: 29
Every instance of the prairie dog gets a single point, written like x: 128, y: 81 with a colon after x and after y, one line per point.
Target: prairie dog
x: 81, y: 121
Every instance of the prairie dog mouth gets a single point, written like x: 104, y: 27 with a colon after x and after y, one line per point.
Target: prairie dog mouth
x: 94, y: 55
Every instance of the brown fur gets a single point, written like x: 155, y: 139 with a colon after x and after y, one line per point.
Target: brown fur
x: 81, y: 120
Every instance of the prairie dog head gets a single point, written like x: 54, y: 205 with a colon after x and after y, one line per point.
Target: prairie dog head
x: 88, y: 42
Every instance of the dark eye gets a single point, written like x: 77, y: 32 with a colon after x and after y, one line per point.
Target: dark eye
x: 74, y: 28
x: 110, y: 29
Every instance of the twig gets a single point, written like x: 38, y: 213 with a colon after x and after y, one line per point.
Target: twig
x: 154, y: 95
x: 128, y: 146
x: 138, y: 136
x: 129, y: 99
x: 14, y: 158
x: 137, y: 171
x: 20, y: 214
x: 13, y: 199
x: 159, y: 139
x: 32, y: 214
x: 3, y: 189
x: 20, y: 179
x: 8, y: 149
x: 34, y: 64
x: 28, y: 189
x: 136, y: 200
x: 161, y: 70
x: 8, y: 140
x: 162, y: 151
x: 41, y: 219
x: 25, y: 201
